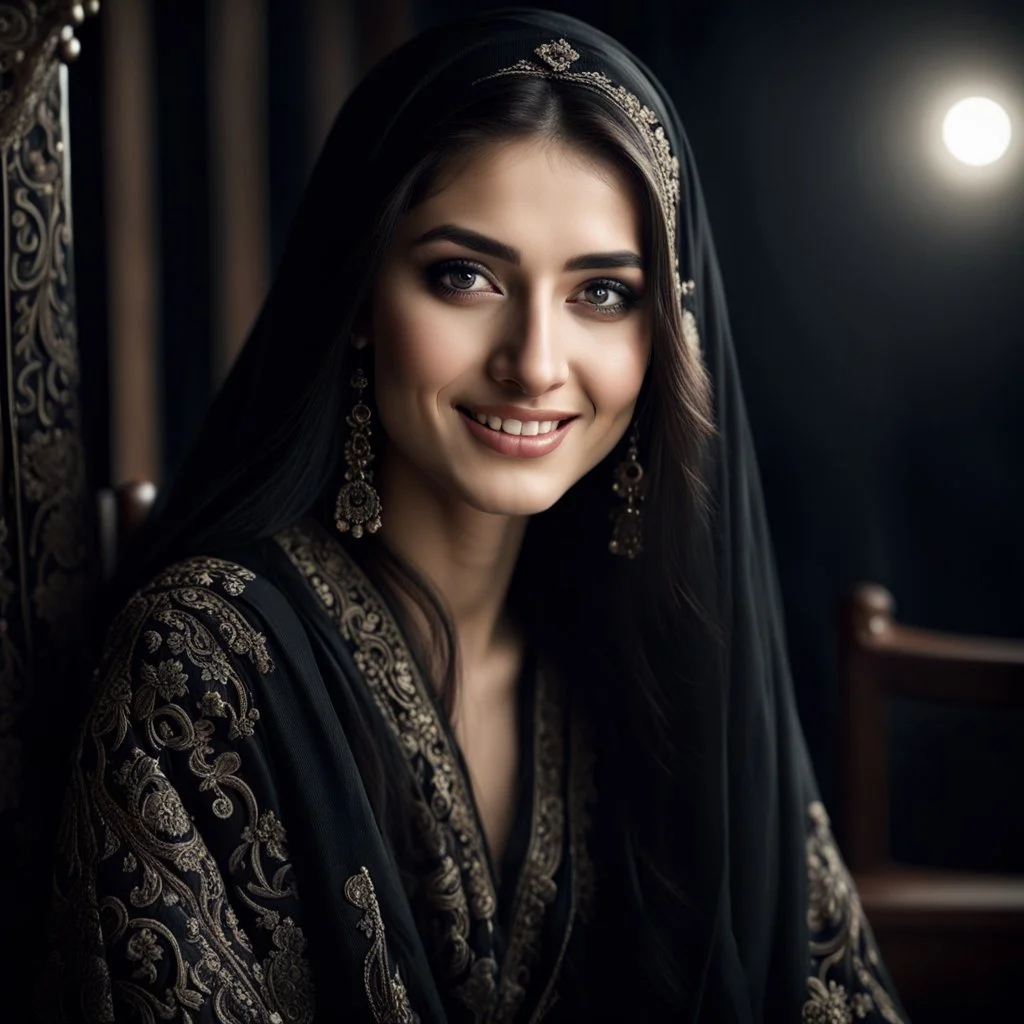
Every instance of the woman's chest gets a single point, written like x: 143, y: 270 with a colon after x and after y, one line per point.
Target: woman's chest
x: 490, y: 736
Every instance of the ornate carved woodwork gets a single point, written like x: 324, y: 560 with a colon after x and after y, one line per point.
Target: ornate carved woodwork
x: 44, y: 574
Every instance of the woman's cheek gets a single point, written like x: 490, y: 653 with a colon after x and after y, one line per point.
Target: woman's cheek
x: 430, y: 344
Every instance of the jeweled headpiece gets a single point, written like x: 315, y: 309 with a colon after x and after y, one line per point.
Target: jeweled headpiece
x: 554, y: 60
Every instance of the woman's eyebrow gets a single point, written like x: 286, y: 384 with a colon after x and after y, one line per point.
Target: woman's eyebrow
x: 471, y: 240
x: 605, y: 260
x: 500, y: 250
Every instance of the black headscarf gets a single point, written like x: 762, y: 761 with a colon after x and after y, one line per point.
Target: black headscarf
x: 261, y: 461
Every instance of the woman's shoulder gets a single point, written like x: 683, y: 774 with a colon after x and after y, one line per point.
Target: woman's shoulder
x: 200, y: 591
x: 189, y: 637
x: 240, y: 591
x: 173, y: 817
x: 226, y: 577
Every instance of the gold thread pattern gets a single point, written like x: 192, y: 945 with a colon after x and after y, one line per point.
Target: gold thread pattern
x: 175, y: 895
x: 536, y: 889
x: 843, y: 986
x: 389, y: 1001
x: 582, y: 797
x: 458, y: 888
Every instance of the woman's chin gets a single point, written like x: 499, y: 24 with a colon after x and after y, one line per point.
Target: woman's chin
x: 513, y: 505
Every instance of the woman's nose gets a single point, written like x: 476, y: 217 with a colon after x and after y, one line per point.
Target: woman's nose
x: 532, y: 357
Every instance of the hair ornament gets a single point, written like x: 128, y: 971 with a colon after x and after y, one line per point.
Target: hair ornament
x: 554, y: 60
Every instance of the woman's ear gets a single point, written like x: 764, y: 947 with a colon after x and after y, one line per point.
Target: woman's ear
x: 361, y: 333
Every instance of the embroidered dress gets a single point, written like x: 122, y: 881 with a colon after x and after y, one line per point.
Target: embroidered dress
x: 181, y: 867
x: 224, y: 856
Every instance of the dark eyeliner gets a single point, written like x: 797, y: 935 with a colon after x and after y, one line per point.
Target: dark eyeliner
x: 629, y: 298
x: 436, y: 271
x: 613, y: 284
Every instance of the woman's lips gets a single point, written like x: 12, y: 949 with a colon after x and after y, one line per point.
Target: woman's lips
x: 516, y: 446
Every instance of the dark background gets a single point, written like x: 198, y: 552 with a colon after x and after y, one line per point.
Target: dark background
x: 876, y: 297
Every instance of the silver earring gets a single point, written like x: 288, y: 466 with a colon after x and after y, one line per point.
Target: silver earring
x: 358, y: 504
x: 627, y: 525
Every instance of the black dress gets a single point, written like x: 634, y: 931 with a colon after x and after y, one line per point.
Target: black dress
x: 217, y: 782
x: 222, y: 858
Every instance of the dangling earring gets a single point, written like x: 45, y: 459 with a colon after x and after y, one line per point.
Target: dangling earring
x: 627, y: 532
x: 358, y: 503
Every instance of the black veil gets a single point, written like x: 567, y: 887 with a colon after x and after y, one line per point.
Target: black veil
x: 269, y: 451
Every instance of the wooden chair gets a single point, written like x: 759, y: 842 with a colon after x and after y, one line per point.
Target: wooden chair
x: 953, y: 940
x: 120, y: 511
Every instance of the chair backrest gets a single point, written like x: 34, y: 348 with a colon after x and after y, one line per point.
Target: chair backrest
x: 120, y: 512
x: 880, y: 658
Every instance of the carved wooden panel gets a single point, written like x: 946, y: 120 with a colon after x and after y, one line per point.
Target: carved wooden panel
x: 44, y: 575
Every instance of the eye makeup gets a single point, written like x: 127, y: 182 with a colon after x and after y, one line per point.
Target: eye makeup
x: 458, y: 278
x: 443, y: 277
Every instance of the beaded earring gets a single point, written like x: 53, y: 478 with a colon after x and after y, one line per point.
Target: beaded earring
x: 627, y: 526
x: 358, y: 505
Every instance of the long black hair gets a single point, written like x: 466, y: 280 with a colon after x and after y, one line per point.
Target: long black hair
x: 600, y: 619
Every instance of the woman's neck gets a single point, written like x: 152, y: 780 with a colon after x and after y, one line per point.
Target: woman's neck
x: 467, y: 555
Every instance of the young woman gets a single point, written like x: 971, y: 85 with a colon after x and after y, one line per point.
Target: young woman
x: 453, y: 684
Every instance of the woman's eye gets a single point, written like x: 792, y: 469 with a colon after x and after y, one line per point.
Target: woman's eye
x: 449, y: 278
x: 599, y: 295
x: 608, y: 296
x: 462, y: 279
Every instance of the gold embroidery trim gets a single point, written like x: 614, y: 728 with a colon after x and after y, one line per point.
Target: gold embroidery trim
x: 536, y: 889
x: 842, y: 946
x: 389, y: 1001
x: 459, y: 887
x: 582, y: 795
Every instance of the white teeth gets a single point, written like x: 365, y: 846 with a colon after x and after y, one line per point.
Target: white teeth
x: 525, y: 428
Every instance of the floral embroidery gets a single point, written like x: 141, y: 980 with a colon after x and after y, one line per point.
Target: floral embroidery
x: 843, y: 987
x: 389, y: 1001
x: 153, y: 926
x: 458, y: 887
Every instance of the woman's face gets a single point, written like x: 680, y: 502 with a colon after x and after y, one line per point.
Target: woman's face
x: 510, y: 329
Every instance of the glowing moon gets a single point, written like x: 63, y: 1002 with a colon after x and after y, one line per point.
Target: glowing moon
x: 977, y: 131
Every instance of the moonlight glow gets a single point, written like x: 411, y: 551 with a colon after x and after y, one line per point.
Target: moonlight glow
x: 977, y: 131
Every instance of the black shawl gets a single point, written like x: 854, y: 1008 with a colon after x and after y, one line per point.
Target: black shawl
x: 216, y: 781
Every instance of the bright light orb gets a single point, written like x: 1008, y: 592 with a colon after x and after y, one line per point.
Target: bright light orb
x: 977, y: 131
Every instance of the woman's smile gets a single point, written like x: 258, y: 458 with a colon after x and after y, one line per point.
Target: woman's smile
x: 526, y: 437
